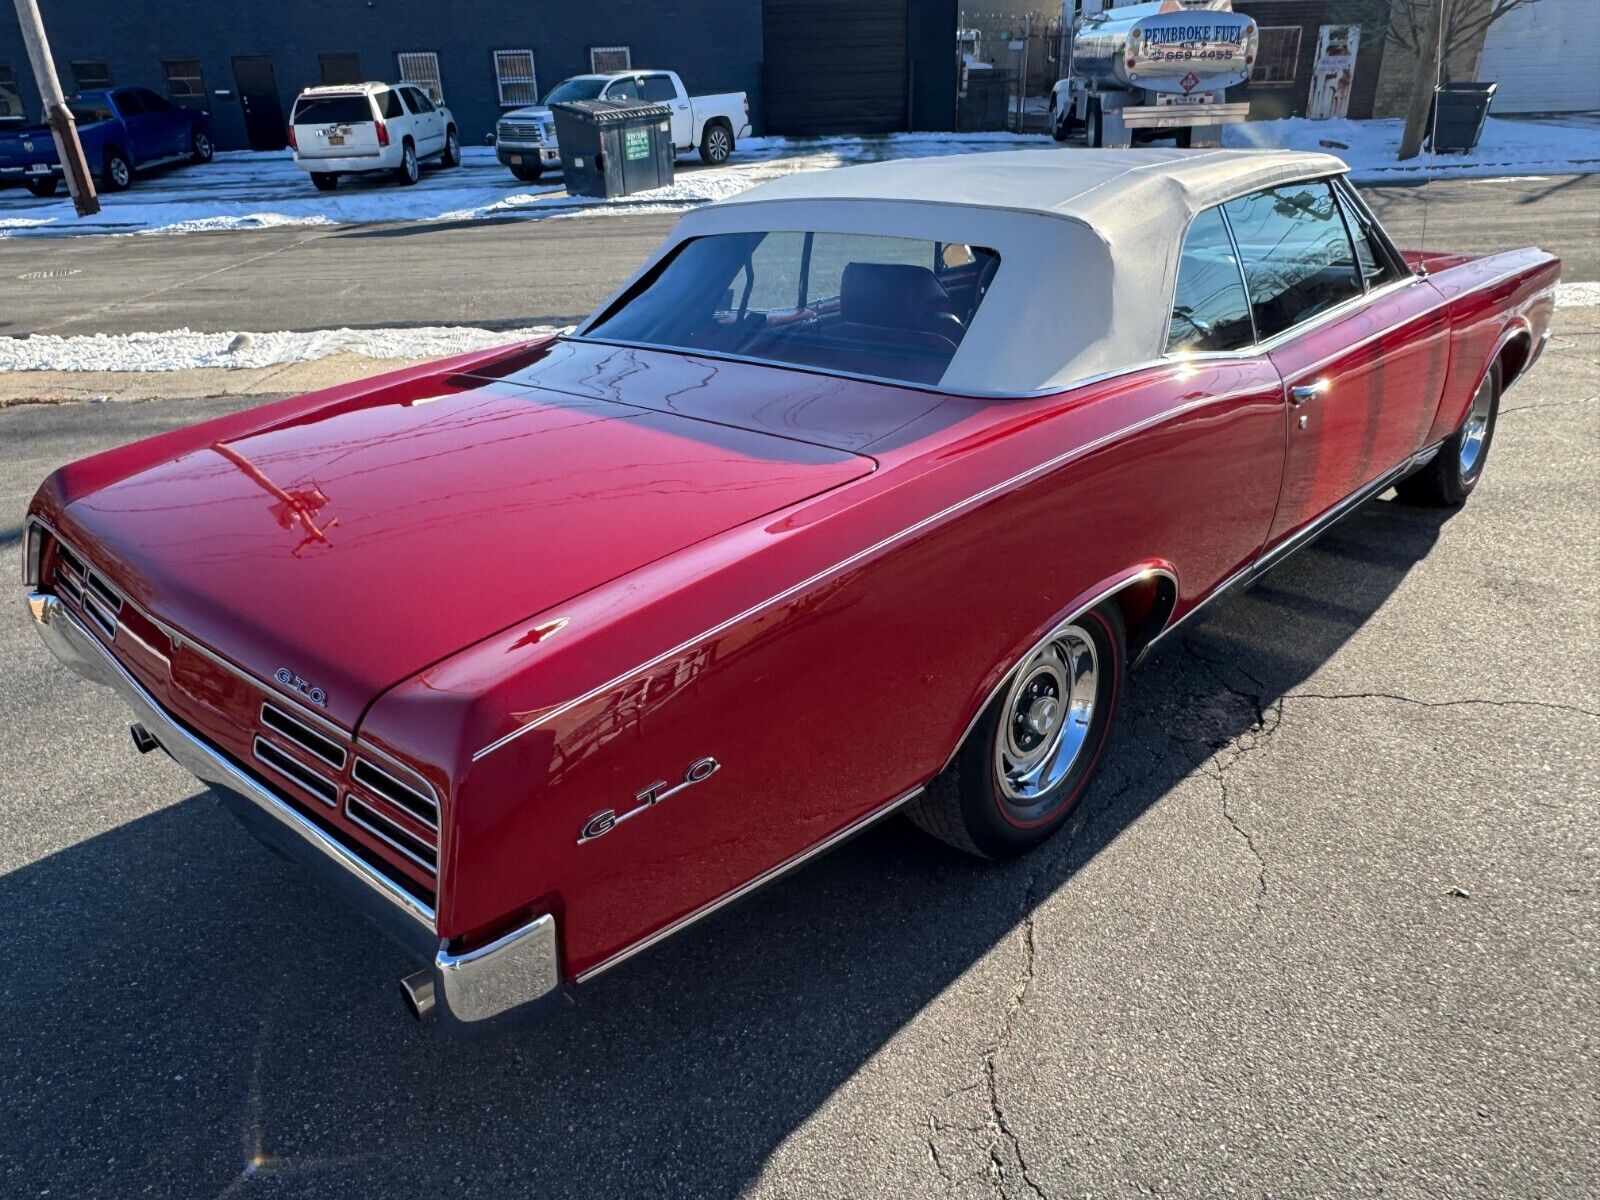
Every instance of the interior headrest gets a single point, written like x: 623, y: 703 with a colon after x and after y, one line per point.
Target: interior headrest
x: 896, y: 295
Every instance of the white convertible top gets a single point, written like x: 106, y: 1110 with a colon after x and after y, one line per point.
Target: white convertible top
x: 1088, y: 242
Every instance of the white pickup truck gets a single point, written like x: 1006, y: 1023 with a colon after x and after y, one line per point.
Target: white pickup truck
x: 525, y: 139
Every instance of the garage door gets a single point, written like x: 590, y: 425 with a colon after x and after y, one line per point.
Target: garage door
x: 834, y: 66
x: 1543, y: 57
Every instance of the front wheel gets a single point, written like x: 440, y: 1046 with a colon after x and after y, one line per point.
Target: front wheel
x: 43, y: 188
x: 200, y: 147
x: 452, y: 149
x: 716, y: 144
x: 527, y: 174
x: 1448, y: 480
x: 1027, y: 762
x: 407, y: 172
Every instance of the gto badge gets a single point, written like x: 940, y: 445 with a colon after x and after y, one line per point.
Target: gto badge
x: 602, y: 823
x: 295, y: 684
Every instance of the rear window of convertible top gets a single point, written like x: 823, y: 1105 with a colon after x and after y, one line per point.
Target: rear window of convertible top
x: 332, y: 110
x: 864, y: 304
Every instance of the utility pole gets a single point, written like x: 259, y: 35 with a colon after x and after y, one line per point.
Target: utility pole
x: 56, y: 113
x: 1425, y: 82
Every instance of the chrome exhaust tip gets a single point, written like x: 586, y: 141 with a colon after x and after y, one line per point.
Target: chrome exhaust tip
x: 143, y: 740
x: 417, y: 989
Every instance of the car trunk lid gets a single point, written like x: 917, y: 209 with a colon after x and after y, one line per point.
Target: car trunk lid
x: 359, y: 543
x: 341, y: 126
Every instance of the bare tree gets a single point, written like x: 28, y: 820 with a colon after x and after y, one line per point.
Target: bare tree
x: 1410, y: 24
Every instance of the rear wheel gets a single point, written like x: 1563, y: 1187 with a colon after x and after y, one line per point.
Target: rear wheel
x: 1094, y: 125
x: 1023, y: 768
x: 200, y: 147
x: 407, y: 172
x: 43, y: 187
x: 716, y: 144
x: 1448, y: 480
x: 116, y: 174
x: 452, y: 149
x: 526, y: 174
x: 324, y: 181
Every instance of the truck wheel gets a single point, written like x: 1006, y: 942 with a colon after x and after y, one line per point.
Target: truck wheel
x: 43, y: 187
x: 324, y: 181
x: 452, y: 149
x: 1028, y: 761
x: 526, y: 174
x: 1448, y: 480
x: 1095, y: 132
x: 716, y: 144
x: 407, y: 172
x: 200, y: 147
x: 1183, y: 138
x: 117, y: 174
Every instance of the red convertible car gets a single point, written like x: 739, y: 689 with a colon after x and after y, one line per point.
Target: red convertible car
x: 863, y: 494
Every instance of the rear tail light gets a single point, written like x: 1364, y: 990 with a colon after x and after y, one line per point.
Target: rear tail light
x: 293, y: 145
x: 383, y: 133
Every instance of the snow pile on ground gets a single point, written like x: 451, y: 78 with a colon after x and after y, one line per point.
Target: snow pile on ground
x: 1577, y: 295
x: 1508, y: 147
x: 183, y: 349
x: 249, y: 190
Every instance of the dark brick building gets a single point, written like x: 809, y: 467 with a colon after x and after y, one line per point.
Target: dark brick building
x: 809, y: 66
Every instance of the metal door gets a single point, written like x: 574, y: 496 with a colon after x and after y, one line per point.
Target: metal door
x: 258, y: 98
x: 1333, y: 72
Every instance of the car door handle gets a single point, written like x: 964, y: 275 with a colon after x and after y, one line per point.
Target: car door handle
x: 1301, y: 393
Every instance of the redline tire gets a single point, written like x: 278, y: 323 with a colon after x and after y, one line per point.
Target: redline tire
x: 973, y: 807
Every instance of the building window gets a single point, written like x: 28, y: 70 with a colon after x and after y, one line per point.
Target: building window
x: 513, y: 74
x: 605, y: 59
x: 1277, y: 54
x: 421, y: 67
x: 184, y: 81
x: 10, y: 95
x: 340, y: 68
x: 90, y: 75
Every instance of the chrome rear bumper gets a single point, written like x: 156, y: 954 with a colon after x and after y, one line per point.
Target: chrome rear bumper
x: 481, y: 985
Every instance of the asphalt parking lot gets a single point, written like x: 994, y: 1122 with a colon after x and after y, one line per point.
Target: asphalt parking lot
x: 1329, y: 925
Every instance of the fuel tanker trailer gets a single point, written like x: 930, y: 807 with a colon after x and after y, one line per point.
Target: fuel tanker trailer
x: 1145, y: 71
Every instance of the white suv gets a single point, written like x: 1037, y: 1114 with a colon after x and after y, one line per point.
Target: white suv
x: 360, y: 128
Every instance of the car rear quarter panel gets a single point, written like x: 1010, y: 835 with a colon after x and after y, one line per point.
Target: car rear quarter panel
x: 829, y: 657
x: 1493, y: 301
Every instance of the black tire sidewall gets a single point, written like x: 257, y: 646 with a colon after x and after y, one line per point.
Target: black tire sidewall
x: 44, y: 188
x: 112, y: 184
x: 706, y: 152
x: 982, y: 812
x: 204, y: 148
x: 1463, y: 485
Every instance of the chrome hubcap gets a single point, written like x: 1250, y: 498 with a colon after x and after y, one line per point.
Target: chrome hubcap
x: 1476, y: 429
x: 1048, y: 711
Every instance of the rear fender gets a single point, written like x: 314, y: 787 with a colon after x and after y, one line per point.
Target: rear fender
x: 1146, y: 594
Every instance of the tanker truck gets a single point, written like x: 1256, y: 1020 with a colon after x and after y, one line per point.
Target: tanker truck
x: 1140, y: 72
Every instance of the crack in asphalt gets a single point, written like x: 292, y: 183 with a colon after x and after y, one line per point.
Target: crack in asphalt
x: 1456, y: 702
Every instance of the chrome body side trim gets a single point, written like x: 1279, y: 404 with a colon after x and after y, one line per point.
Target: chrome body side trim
x: 493, y: 980
x: 1275, y: 554
x: 744, y: 889
x: 845, y: 564
x: 299, y: 837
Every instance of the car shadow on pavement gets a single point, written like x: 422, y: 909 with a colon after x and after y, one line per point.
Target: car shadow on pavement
x: 182, y: 1012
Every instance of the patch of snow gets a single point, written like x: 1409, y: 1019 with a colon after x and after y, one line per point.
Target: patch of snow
x: 183, y: 349
x: 1507, y: 149
x: 1577, y: 295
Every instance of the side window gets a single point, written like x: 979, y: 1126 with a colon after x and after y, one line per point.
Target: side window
x: 153, y: 102
x: 1376, y: 267
x: 658, y: 89
x: 129, y: 103
x: 1297, y: 255
x: 623, y: 89
x: 410, y: 98
x: 389, y: 105
x: 420, y: 102
x: 1209, y: 308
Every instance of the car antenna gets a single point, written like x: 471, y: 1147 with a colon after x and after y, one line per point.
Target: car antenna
x: 1433, y: 139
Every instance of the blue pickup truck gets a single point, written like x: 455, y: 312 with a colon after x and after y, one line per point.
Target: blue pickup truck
x: 123, y: 130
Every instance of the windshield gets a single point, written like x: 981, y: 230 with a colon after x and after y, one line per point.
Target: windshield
x: 575, y: 89
x: 332, y: 110
x: 889, y: 307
